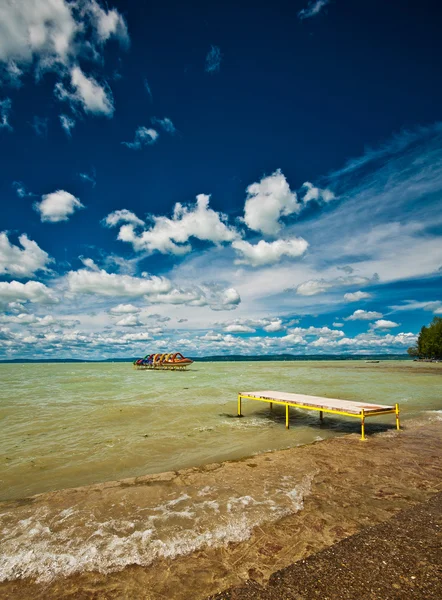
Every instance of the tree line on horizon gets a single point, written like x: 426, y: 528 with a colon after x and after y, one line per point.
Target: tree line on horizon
x: 429, y: 341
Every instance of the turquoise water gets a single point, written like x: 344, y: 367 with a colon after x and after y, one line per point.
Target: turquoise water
x: 66, y: 425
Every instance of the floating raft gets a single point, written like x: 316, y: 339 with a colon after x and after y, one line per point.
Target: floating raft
x: 172, y: 361
x: 347, y: 408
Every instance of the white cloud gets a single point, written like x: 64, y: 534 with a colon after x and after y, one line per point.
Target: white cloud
x: 274, y: 326
x: 67, y: 123
x: 124, y: 309
x: 266, y: 253
x: 213, y: 60
x: 122, y: 216
x: 316, y: 194
x: 87, y: 93
x: 129, y: 321
x: 355, y: 296
x: 31, y: 291
x: 55, y: 33
x: 165, y: 123
x: 143, y: 137
x: 24, y: 261
x: 384, y: 324
x: 267, y: 201
x: 337, y: 324
x: 317, y: 286
x: 237, y: 328
x: 87, y: 281
x: 314, y: 7
x: 214, y: 296
x: 5, y: 109
x: 324, y: 332
x: 271, y: 325
x: 171, y: 235
x: 364, y: 315
x: 57, y: 206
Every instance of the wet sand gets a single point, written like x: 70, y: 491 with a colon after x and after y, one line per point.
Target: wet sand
x: 398, y: 559
x: 273, y: 509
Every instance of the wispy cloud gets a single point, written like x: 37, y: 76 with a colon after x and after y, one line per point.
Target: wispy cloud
x: 213, y: 60
x: 165, y: 124
x: 5, y: 110
x: 90, y: 178
x: 148, y: 89
x: 144, y: 136
x: 21, y: 189
x: 313, y: 8
x: 40, y: 126
x: 67, y: 123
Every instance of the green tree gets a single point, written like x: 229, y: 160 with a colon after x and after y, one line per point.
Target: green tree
x: 429, y: 342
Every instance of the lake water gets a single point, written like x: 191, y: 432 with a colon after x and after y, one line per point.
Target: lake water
x: 67, y: 425
x: 190, y: 521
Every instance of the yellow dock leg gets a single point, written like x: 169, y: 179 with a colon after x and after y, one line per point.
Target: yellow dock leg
x: 287, y: 424
x: 321, y: 415
x: 362, y: 425
x: 239, y: 406
x: 398, y: 425
x: 271, y: 405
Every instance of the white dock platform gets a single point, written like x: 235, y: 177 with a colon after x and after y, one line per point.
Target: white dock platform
x: 348, y: 408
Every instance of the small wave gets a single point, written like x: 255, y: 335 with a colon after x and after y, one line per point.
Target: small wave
x: 49, y: 544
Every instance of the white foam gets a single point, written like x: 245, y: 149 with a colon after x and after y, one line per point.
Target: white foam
x: 48, y: 544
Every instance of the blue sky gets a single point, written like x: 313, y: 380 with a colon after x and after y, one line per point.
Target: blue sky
x: 218, y: 179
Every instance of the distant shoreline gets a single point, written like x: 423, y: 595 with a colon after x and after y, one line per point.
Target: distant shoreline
x: 230, y: 358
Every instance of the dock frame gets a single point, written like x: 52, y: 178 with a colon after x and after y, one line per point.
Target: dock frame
x: 322, y: 405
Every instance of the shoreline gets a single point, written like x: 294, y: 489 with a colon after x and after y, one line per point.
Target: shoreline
x: 379, y: 563
x: 332, y: 490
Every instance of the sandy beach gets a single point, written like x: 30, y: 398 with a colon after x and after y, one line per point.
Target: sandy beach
x: 271, y: 510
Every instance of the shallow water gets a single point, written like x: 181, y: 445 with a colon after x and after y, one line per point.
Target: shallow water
x: 66, y: 425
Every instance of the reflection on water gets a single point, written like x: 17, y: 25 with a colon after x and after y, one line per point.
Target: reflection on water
x: 66, y: 425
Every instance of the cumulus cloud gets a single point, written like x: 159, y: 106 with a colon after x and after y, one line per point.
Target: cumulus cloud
x: 364, y: 315
x: 384, y: 324
x: 313, y: 8
x: 102, y: 283
x: 316, y: 194
x: 267, y: 201
x: 52, y: 35
x: 215, y: 296
x: 143, y: 137
x: 31, y: 291
x: 124, y: 309
x: 5, y: 110
x: 267, y: 253
x: 237, y: 328
x: 55, y: 36
x: 213, y: 60
x: 24, y: 261
x: 67, y: 123
x: 171, y: 236
x: 129, y: 321
x: 57, y: 206
x: 272, y: 325
x: 355, y: 296
x: 165, y: 124
x: 87, y: 93
x: 122, y: 216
